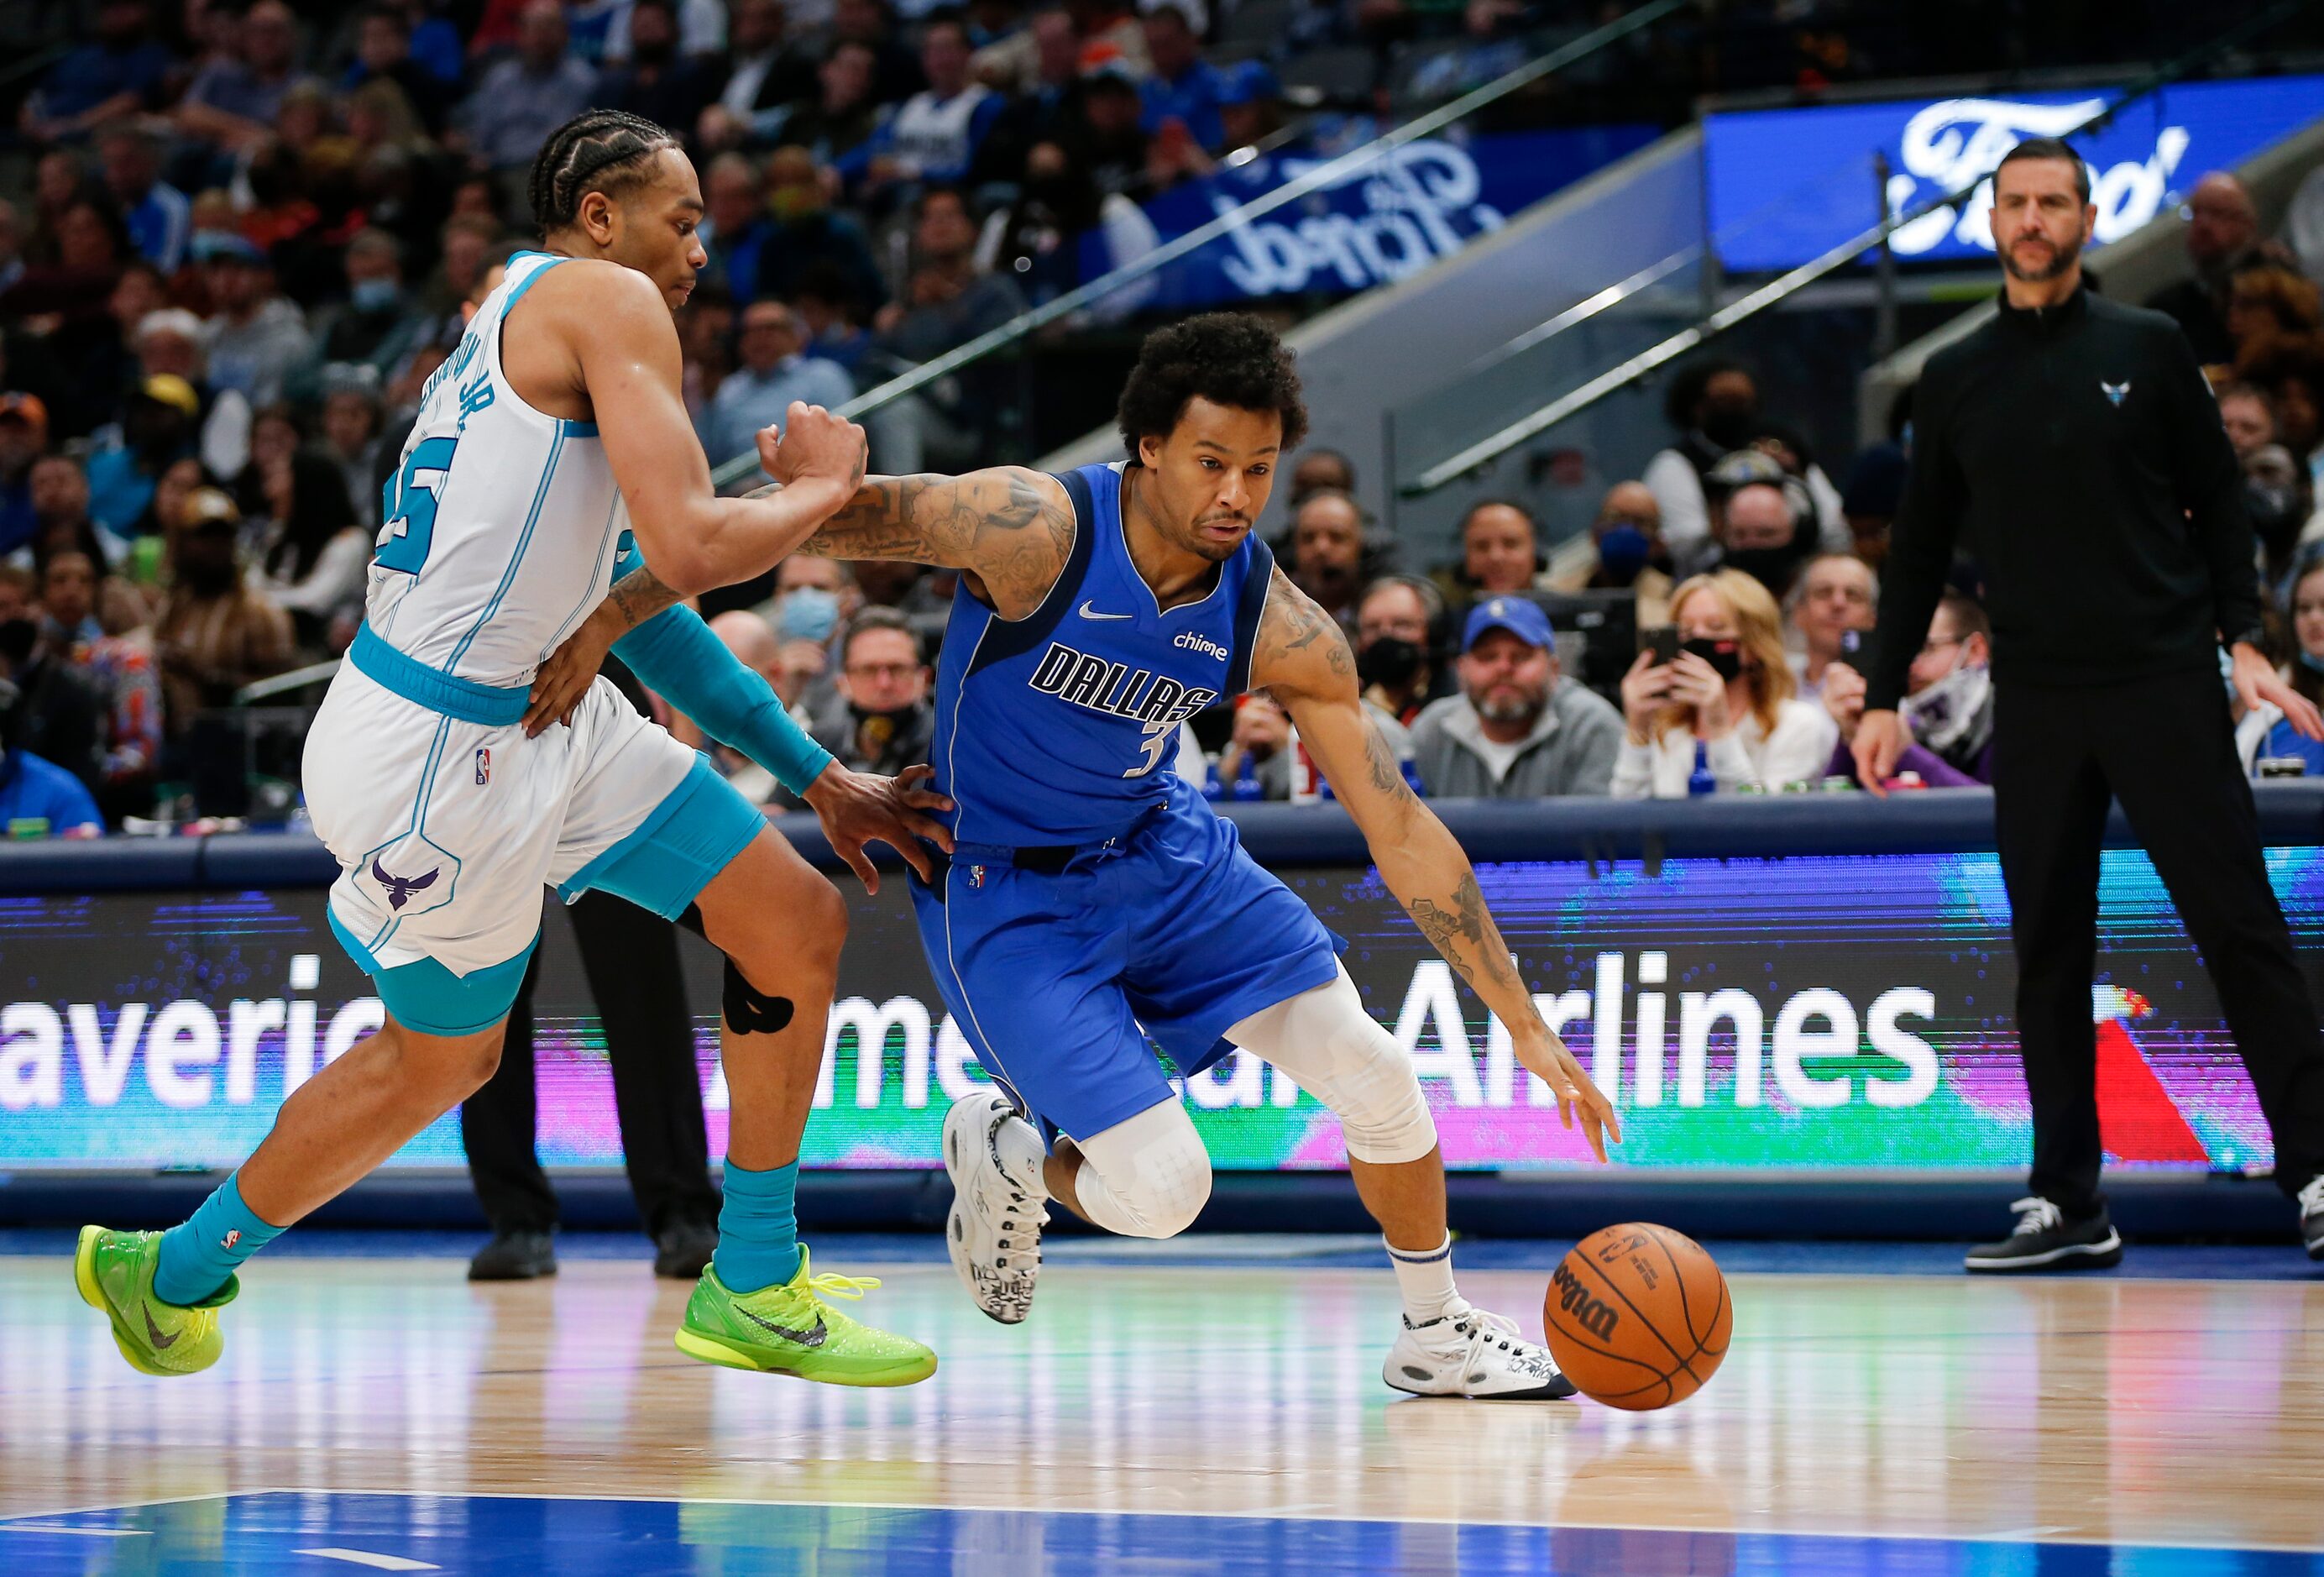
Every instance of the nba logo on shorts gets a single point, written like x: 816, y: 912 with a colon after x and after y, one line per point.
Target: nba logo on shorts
x: 484, y: 766
x: 976, y: 876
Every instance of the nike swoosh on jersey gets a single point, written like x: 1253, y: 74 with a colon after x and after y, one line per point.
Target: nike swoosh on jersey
x: 814, y: 1338
x: 1087, y: 612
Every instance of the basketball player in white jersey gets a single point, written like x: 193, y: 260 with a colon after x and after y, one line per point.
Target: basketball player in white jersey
x: 554, y: 435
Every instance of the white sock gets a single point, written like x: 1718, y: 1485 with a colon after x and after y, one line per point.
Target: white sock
x: 1424, y: 1277
x: 1019, y: 1145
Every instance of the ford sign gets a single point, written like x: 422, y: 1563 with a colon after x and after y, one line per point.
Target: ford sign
x: 1786, y: 186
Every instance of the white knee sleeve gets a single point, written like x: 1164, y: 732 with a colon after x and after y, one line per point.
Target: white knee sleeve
x: 1339, y: 1053
x: 1146, y: 1176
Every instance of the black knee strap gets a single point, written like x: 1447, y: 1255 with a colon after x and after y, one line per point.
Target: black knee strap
x: 751, y: 1012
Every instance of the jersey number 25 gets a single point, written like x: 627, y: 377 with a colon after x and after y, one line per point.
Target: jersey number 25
x: 407, y: 506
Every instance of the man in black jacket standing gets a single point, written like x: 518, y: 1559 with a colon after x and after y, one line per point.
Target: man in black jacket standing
x: 2074, y: 448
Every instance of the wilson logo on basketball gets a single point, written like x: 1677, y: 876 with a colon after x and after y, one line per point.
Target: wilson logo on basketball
x: 1593, y: 1315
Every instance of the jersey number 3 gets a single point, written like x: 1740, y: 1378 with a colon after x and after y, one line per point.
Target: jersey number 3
x: 407, y: 506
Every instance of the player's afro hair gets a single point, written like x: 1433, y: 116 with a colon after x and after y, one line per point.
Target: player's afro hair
x: 1227, y: 358
x: 598, y: 150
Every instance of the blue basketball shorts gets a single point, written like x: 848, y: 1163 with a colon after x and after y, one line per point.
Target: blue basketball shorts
x: 1058, y: 977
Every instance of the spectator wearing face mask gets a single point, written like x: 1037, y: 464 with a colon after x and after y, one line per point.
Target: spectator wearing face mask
x: 1948, y: 689
x: 1395, y: 637
x: 1518, y: 729
x: 814, y: 599
x: 1629, y: 554
x: 1714, y: 404
x: 1725, y: 704
x: 1760, y: 524
x: 1835, y: 597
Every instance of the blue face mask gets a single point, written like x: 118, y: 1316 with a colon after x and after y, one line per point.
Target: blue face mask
x: 372, y: 295
x: 807, y: 613
x: 1622, y: 552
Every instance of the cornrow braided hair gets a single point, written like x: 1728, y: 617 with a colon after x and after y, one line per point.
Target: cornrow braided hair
x: 598, y: 150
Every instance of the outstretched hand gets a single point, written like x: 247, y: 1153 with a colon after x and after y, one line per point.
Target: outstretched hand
x: 858, y: 808
x: 1545, y: 1057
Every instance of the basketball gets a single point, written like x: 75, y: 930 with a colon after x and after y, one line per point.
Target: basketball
x: 1637, y: 1315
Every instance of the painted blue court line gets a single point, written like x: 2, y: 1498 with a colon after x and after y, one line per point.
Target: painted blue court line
x: 2143, y: 1262
x: 289, y: 1531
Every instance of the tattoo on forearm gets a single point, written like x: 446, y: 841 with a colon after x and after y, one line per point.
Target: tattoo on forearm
x: 639, y: 595
x: 1387, y: 772
x: 1002, y: 524
x: 1465, y: 934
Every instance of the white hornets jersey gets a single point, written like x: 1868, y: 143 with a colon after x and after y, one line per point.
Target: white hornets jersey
x: 501, y: 523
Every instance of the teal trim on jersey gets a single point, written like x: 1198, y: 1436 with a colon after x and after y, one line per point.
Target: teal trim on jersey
x: 576, y: 429
x: 424, y: 995
x: 666, y: 862
x: 508, y: 577
x: 529, y: 279
x: 439, y: 692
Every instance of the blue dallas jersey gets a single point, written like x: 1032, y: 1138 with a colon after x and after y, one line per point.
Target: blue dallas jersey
x: 1063, y: 727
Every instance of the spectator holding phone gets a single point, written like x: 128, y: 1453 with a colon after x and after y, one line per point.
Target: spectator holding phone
x: 1726, y: 702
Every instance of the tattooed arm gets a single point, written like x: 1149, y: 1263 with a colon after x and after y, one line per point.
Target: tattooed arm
x: 1303, y: 658
x: 1009, y: 528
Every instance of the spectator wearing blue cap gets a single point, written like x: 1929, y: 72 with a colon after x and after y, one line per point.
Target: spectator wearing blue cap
x: 1251, y: 105
x: 1518, y: 729
x: 1185, y: 87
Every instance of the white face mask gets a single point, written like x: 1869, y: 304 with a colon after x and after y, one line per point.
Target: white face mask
x: 1942, y: 714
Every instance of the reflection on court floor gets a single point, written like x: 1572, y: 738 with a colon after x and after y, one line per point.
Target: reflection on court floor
x: 1161, y: 1417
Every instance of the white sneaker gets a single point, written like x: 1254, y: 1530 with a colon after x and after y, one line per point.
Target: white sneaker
x: 994, y: 1230
x: 1472, y: 1354
x: 2311, y: 1216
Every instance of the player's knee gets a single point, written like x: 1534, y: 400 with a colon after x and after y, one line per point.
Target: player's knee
x: 1153, y: 1170
x: 1341, y: 1055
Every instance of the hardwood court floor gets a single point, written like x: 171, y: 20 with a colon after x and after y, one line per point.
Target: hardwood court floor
x: 1884, y: 1422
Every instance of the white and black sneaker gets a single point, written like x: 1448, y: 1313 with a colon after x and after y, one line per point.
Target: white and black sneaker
x: 2311, y: 1216
x: 2045, y: 1238
x: 993, y: 1232
x: 1469, y: 1352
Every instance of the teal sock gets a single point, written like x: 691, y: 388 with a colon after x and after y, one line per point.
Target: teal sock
x: 758, y: 1228
x: 198, y: 1256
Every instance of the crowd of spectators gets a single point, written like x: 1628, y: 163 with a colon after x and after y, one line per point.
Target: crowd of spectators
x: 245, y: 234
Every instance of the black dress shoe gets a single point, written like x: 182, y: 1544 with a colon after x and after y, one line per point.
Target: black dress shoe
x: 2046, y: 1240
x: 684, y: 1248
x: 514, y: 1256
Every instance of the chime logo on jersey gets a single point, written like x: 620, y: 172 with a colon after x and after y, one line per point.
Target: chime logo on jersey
x: 1115, y: 688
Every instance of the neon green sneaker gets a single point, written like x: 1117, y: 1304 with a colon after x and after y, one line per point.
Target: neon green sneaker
x: 115, y: 1273
x: 792, y: 1329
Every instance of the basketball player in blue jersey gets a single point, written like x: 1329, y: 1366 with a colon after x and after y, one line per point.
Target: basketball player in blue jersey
x: 1093, y: 899
x: 554, y: 436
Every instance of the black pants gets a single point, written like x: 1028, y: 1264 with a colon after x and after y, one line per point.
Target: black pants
x: 2165, y: 748
x: 630, y: 958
